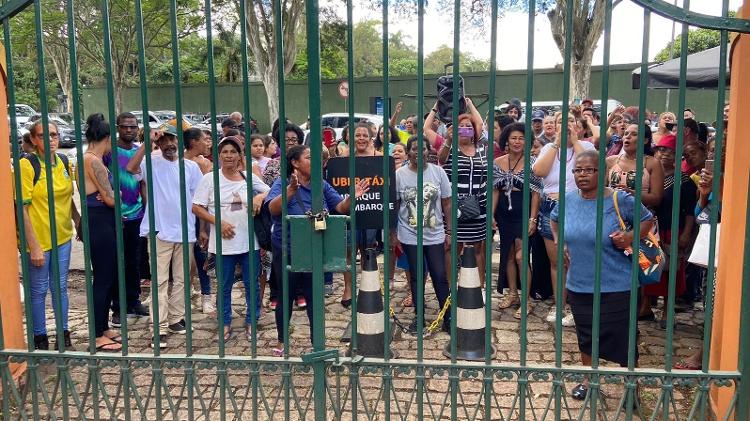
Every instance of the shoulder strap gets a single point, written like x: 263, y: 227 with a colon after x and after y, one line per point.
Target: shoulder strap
x: 64, y: 159
x: 35, y: 165
x: 617, y: 210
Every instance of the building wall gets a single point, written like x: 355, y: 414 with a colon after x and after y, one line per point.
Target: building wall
x: 509, y: 84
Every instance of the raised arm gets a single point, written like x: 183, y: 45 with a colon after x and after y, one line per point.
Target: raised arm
x: 396, y: 112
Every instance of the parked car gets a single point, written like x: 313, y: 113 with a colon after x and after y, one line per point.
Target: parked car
x: 153, y: 120
x: 338, y: 121
x: 67, y: 132
x: 23, y: 113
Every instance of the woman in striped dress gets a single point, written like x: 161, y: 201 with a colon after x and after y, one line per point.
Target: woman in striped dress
x: 472, y: 167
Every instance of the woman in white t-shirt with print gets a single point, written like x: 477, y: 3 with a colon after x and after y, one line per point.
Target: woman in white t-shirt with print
x: 235, y: 235
x: 547, y: 166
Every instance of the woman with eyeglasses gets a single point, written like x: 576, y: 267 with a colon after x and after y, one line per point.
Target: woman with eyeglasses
x: 293, y: 136
x: 38, y: 231
x: 615, y: 277
x: 547, y: 167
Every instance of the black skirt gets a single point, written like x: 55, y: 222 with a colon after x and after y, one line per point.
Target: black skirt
x: 613, y: 326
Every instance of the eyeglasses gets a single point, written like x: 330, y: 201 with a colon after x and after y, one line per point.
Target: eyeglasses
x: 587, y: 171
x: 52, y: 135
x: 292, y: 139
x: 127, y: 127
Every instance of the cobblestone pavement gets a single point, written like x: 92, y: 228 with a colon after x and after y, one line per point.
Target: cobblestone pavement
x: 207, y: 398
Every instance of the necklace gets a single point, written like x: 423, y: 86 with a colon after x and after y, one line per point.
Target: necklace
x: 568, y: 159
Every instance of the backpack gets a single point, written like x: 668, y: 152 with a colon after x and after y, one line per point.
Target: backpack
x: 37, y: 166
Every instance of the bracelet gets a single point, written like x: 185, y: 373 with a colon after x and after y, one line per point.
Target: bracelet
x: 434, y: 110
x: 532, y: 220
x: 555, y: 145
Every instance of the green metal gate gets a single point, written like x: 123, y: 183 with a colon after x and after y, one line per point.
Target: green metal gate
x: 206, y: 378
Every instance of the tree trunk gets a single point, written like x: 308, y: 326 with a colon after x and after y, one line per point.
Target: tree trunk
x: 580, y: 75
x: 271, y: 83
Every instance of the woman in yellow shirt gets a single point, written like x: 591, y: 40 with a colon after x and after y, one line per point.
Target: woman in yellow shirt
x: 38, y: 231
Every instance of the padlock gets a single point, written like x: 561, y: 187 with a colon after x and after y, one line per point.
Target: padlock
x: 320, y: 222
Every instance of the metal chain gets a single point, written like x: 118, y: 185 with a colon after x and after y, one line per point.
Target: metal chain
x: 432, y: 328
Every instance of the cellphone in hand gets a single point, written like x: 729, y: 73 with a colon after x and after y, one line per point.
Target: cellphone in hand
x: 709, y: 165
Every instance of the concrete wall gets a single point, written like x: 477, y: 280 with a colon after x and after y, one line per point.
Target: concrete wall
x: 547, y: 87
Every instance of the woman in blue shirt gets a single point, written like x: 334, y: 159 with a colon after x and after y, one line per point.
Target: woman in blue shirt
x: 299, y: 201
x: 580, y: 244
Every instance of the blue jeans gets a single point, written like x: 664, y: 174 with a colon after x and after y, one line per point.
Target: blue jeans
x: 228, y: 263
x: 39, y: 280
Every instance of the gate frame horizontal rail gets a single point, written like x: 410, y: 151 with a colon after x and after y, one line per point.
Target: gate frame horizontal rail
x: 371, y: 362
x: 678, y: 14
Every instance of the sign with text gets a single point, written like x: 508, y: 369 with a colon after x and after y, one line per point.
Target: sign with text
x: 369, y: 207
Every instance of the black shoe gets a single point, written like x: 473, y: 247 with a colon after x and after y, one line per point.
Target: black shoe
x: 178, y: 328
x: 116, y: 319
x: 66, y: 339
x: 162, y: 341
x: 41, y: 342
x: 138, y: 310
x: 446, y: 326
x: 579, y: 392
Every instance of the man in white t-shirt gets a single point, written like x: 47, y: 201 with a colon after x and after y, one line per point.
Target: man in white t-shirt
x: 165, y: 196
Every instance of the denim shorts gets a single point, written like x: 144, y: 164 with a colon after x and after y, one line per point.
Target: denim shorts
x: 545, y: 209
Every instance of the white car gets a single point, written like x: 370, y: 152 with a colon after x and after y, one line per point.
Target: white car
x: 338, y: 121
x: 23, y: 113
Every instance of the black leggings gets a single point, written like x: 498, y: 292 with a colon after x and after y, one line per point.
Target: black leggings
x: 435, y: 257
x: 103, y: 263
x: 131, y: 241
x: 298, y: 281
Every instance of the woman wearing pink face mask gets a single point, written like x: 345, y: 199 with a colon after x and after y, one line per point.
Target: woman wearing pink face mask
x: 472, y: 182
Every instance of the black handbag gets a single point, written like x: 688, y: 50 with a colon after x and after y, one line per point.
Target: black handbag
x: 468, y: 208
x: 262, y: 224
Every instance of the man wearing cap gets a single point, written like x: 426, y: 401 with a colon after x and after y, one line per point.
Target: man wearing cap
x: 537, y: 122
x: 166, y: 198
x: 229, y: 124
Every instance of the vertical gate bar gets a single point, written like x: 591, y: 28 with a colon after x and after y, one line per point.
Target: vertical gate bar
x: 453, y: 372
x: 351, y: 128
x: 488, y: 246
x: 386, y: 216
x: 254, y: 280
x: 184, y: 205
x: 219, y: 258
x: 595, y: 328
x: 32, y: 364
x: 743, y: 363
x: 114, y: 170
x: 676, y: 199
x: 420, y: 371
x: 285, y: 303
x: 54, y: 252
x: 635, y: 267
x: 353, y: 370
x: 314, y: 88
x: 559, y: 302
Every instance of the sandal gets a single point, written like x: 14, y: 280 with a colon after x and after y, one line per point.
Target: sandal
x: 278, y: 352
x: 685, y: 364
x: 517, y: 314
x: 115, y: 338
x: 249, y: 332
x: 509, y: 300
x: 407, y: 302
x: 109, y: 347
x: 227, y: 333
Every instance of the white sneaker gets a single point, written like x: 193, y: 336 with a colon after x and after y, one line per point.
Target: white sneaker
x: 568, y: 320
x: 552, y: 315
x: 207, y: 304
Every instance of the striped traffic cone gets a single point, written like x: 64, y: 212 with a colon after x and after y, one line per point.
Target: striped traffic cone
x: 470, y: 322
x: 370, y: 322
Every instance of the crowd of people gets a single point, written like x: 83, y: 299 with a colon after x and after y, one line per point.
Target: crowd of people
x: 215, y: 224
